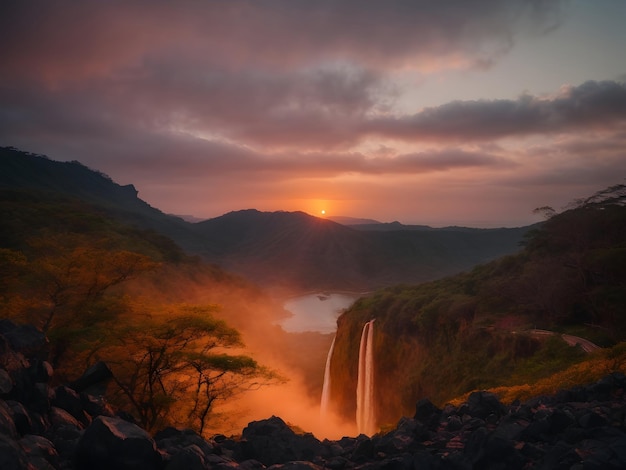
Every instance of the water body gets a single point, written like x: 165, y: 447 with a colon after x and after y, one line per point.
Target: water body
x: 316, y: 312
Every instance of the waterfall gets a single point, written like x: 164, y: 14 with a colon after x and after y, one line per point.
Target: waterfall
x: 365, y: 414
x: 326, y: 387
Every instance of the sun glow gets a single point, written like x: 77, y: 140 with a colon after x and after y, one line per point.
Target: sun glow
x: 323, y: 212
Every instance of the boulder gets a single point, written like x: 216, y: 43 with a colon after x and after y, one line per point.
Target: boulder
x: 7, y: 426
x: 483, y: 404
x: 20, y: 416
x: 114, y: 443
x: 426, y: 412
x: 67, y: 399
x: 40, y: 452
x: 12, y: 456
x: 94, y: 377
x: 6, y: 383
x: 271, y: 442
x: 26, y: 339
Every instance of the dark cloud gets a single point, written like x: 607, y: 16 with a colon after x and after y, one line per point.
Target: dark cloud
x: 590, y: 105
x: 66, y: 39
x: 277, y: 74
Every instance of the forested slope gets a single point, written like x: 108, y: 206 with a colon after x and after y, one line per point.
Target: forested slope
x: 474, y: 330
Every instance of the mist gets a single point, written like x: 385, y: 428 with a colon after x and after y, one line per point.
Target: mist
x: 297, y: 357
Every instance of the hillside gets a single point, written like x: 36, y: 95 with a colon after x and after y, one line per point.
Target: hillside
x: 477, y: 329
x: 292, y: 251
x: 29, y: 172
x: 87, y: 278
x: 296, y: 250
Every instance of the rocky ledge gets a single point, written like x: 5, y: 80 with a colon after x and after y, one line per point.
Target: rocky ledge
x: 64, y: 427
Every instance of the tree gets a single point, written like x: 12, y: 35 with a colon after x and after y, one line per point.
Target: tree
x: 71, y: 273
x: 172, y: 367
x: 59, y: 281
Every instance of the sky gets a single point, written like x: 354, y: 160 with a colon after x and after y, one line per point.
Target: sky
x: 464, y: 112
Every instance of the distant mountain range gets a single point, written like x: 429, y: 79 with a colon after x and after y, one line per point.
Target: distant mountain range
x: 293, y: 250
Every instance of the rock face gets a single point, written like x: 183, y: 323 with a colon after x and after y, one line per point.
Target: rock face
x: 64, y: 428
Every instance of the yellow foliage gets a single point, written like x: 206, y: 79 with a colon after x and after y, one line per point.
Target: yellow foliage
x: 599, y: 364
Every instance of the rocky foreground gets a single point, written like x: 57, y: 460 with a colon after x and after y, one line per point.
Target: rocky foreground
x: 65, y: 428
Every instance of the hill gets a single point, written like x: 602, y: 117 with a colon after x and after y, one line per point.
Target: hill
x: 25, y: 171
x: 296, y: 250
x: 478, y: 329
x: 290, y: 250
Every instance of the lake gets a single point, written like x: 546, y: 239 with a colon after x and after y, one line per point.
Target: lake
x: 316, y: 312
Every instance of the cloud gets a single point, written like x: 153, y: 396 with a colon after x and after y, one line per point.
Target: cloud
x: 66, y: 40
x: 284, y: 74
x: 591, y: 105
x: 241, y: 100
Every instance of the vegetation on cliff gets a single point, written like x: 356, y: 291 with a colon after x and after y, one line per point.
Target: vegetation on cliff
x: 478, y: 329
x: 102, y: 290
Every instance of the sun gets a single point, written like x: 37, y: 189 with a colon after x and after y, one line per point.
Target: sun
x: 323, y: 211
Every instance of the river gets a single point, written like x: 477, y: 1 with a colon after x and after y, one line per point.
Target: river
x: 316, y: 312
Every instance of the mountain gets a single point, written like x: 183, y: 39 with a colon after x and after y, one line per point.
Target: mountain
x: 291, y: 250
x: 296, y: 250
x: 32, y: 172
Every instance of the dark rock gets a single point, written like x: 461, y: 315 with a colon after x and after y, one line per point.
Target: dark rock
x: 560, y: 420
x: 6, y: 382
x: 28, y: 340
x: 536, y: 431
x: 60, y: 417
x: 561, y: 456
x: 7, y: 426
x: 189, y: 458
x: 364, y: 450
x: 12, y: 456
x: 500, y: 453
x: 602, y: 389
x: 426, y: 412
x: 96, y: 375
x: 173, y: 440
x: 39, y: 398
x: 453, y: 424
x: 337, y: 463
x: 20, y: 416
x: 40, y: 371
x: 424, y: 460
x: 475, y: 446
x: 38, y: 449
x: 271, y: 441
x: 96, y: 406
x: 251, y: 465
x: 65, y: 440
x: 483, y: 404
x: 67, y: 399
x: 592, y: 420
x: 114, y: 443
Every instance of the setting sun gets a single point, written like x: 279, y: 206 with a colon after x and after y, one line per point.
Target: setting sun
x: 323, y: 212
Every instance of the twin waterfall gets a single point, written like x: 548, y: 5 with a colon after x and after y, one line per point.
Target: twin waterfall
x: 365, y: 414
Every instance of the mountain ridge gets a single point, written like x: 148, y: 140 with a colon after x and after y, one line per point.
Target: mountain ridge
x: 288, y: 250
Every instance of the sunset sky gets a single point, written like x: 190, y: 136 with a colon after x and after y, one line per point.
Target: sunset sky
x: 468, y: 112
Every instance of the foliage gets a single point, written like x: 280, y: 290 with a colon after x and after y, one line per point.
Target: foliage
x: 473, y: 330
x: 598, y: 365
x: 171, y: 367
x: 103, y: 291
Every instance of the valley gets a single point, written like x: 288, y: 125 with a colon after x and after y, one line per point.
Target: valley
x: 455, y: 309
